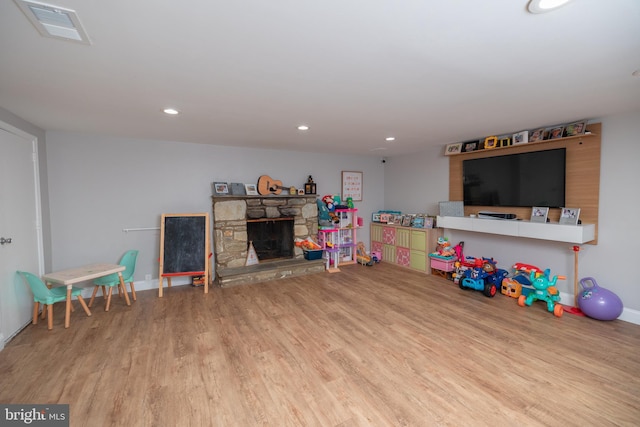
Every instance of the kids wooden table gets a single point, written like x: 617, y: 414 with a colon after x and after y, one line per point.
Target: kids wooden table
x: 80, y: 274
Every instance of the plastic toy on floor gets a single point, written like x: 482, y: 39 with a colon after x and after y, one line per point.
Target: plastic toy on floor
x: 484, y: 276
x: 362, y: 257
x: 544, y: 289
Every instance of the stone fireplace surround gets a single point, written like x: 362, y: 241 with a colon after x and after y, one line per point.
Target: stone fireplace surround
x: 230, y: 215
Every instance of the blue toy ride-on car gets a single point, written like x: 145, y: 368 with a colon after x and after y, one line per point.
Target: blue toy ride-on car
x: 483, y: 277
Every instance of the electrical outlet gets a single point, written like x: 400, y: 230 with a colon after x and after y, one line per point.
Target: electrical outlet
x: 147, y: 277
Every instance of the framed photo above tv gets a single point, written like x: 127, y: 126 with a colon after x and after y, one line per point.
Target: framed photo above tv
x: 539, y: 214
x: 451, y: 149
x: 470, y: 146
x: 536, y: 135
x: 555, y: 132
x: 576, y: 128
x: 490, y: 142
x: 521, y: 137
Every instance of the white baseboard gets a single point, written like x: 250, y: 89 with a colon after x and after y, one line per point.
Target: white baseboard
x: 628, y: 314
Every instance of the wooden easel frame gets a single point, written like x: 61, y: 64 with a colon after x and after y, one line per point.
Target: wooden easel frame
x: 207, y: 254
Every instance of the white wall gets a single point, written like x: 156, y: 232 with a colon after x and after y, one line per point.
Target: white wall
x: 416, y: 183
x: 100, y: 185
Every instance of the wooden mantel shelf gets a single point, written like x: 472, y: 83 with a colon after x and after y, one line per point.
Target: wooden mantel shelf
x: 533, y: 230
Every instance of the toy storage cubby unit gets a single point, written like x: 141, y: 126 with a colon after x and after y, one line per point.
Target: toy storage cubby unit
x: 405, y: 246
x: 339, y: 243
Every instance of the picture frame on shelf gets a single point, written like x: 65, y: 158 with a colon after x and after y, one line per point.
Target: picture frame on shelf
x: 569, y: 216
x: 505, y: 141
x: 539, y: 214
x: 406, y: 221
x: 490, y: 142
x: 576, y: 128
x: 536, y: 135
x: 521, y: 137
x: 455, y: 148
x: 418, y: 222
x: 384, y: 218
x: 375, y: 217
x: 237, y: 189
x: 470, y: 146
x: 220, y: 188
x: 251, y: 189
x: 555, y: 132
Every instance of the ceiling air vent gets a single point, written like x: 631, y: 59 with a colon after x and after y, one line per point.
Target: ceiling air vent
x: 54, y: 21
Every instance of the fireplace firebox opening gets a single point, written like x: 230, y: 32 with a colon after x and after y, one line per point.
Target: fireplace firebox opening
x: 272, y: 238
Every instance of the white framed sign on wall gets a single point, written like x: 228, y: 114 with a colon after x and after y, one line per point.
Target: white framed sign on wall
x: 352, y: 185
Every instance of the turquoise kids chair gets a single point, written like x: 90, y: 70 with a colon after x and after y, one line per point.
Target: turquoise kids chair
x: 129, y: 261
x: 43, y: 295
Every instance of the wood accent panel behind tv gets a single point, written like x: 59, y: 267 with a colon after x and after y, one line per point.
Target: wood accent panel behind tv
x: 582, y: 175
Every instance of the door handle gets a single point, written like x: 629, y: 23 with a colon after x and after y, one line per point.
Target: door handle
x: 3, y: 240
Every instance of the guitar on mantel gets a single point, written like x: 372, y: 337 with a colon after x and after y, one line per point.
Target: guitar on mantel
x: 268, y: 185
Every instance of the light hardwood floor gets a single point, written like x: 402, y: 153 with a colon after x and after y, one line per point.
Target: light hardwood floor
x: 378, y: 345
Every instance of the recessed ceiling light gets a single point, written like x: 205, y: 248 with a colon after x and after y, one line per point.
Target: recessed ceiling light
x: 390, y: 138
x: 171, y: 111
x: 303, y: 127
x: 542, y: 6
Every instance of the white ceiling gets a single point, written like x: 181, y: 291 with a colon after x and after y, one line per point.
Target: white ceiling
x: 247, y: 72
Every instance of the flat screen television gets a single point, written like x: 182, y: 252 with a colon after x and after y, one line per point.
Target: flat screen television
x: 518, y: 180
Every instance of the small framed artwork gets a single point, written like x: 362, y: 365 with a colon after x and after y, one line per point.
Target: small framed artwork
x: 385, y: 217
x: 536, y: 135
x: 375, y: 217
x: 569, y: 216
x: 490, y: 142
x: 220, y: 188
x: 237, y: 189
x: 521, y: 137
x: 455, y: 148
x: 352, y: 185
x: 406, y: 221
x: 539, y: 214
x: 418, y: 222
x: 470, y: 146
x: 505, y: 141
x: 301, y: 192
x: 576, y: 128
x: 251, y: 189
x: 555, y: 132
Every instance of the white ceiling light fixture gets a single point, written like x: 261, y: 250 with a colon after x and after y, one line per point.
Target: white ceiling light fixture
x: 171, y: 111
x: 54, y: 21
x: 303, y: 127
x: 390, y: 138
x: 543, y: 6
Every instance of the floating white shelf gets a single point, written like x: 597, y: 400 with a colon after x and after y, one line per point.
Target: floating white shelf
x: 533, y: 230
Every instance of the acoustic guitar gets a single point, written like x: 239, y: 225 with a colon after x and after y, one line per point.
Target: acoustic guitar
x: 268, y: 185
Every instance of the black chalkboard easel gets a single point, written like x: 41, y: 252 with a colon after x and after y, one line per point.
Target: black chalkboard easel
x: 184, y: 247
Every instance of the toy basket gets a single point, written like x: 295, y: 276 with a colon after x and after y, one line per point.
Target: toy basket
x: 311, y: 255
x: 443, y: 263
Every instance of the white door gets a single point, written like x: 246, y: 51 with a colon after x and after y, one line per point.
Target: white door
x: 20, y: 230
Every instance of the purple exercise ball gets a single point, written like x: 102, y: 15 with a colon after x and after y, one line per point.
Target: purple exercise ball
x: 597, y: 302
